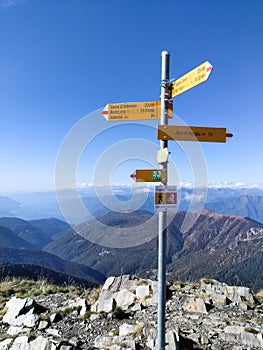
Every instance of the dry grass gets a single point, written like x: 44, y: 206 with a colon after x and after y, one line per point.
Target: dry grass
x: 93, y: 295
x: 207, y: 281
x: 259, y: 296
x: 23, y: 288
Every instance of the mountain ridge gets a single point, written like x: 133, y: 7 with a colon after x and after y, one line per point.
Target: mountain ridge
x: 216, y: 245
x: 37, y: 273
x: 9, y: 239
x: 215, y: 242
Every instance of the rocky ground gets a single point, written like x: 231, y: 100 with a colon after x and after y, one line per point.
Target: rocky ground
x: 123, y: 315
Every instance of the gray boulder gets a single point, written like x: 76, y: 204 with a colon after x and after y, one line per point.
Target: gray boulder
x: 196, y: 305
x: 124, y: 298
x: 20, y: 313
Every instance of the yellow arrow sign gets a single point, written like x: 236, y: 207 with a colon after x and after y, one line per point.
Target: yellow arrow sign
x: 192, y: 133
x: 150, y: 175
x: 135, y: 111
x: 191, y: 79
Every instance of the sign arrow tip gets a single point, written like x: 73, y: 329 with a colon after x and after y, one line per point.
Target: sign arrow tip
x: 133, y: 176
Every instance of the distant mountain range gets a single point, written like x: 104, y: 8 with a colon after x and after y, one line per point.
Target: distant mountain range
x: 246, y: 205
x: 49, y: 261
x: 217, y: 245
x: 232, y: 199
x: 241, y: 201
x: 109, y: 261
x: 35, y: 233
x: 7, y: 205
x: 36, y: 273
x: 220, y: 246
x: 224, y: 243
x: 10, y: 239
x: 21, y: 243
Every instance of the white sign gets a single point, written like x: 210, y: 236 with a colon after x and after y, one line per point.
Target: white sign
x: 165, y: 197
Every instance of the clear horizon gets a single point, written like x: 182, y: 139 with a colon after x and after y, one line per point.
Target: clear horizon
x: 189, y: 185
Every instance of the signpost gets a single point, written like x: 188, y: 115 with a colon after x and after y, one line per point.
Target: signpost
x: 191, y: 79
x: 134, y: 111
x: 165, y: 196
x: 162, y: 215
x: 150, y: 175
x: 192, y: 133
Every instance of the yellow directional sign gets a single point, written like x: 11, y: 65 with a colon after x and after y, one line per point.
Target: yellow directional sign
x: 192, y: 133
x: 150, y: 175
x: 135, y: 111
x: 191, y: 79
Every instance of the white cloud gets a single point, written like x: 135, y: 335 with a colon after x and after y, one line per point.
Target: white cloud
x: 83, y: 185
x: 11, y: 3
x: 195, y: 197
x: 235, y: 185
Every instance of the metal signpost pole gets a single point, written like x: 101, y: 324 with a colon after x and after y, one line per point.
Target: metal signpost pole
x: 162, y: 212
x: 165, y: 196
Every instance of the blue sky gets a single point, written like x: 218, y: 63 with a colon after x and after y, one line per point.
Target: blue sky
x: 61, y: 60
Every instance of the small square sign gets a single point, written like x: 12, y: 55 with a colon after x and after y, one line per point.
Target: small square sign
x: 165, y: 197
